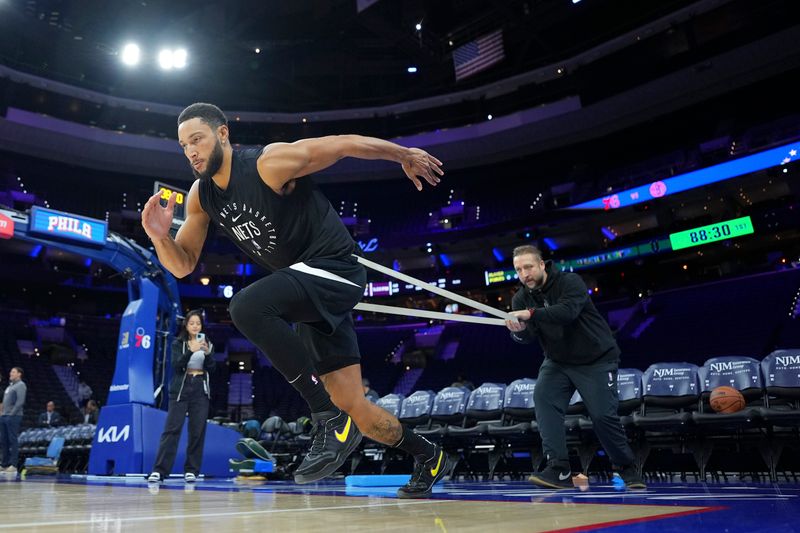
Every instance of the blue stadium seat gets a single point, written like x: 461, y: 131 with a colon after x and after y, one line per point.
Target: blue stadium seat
x: 484, y: 404
x: 516, y: 435
x: 519, y: 400
x: 449, y: 406
x: 24, y: 438
x: 629, y: 390
x: 669, y: 390
x: 39, y: 441
x: 87, y: 435
x: 670, y: 393
x: 72, y: 438
x: 741, y: 373
x: 416, y: 409
x: 781, y: 372
x: 729, y: 430
x: 391, y: 403
x: 519, y: 410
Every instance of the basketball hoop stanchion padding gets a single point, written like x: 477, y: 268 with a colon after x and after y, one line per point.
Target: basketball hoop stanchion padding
x: 129, y: 429
x: 133, y: 375
x: 127, y: 435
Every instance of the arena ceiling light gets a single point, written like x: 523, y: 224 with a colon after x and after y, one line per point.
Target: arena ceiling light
x: 169, y: 59
x: 179, y: 57
x: 131, y: 54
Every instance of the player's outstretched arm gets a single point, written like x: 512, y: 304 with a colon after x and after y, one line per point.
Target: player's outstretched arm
x: 280, y: 163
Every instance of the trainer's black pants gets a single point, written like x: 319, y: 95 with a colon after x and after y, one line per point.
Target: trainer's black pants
x: 194, y: 401
x: 597, y: 384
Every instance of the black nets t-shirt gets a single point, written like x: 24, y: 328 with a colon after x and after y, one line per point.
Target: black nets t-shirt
x: 275, y: 231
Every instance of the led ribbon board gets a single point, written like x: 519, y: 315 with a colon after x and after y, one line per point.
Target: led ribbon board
x: 621, y: 254
x: 381, y: 288
x: 711, y: 233
x: 6, y: 227
x: 67, y: 226
x: 492, y: 277
x: 684, y: 239
x: 691, y: 180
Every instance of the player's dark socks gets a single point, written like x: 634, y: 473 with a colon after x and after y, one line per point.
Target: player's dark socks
x: 310, y: 387
x: 421, y: 448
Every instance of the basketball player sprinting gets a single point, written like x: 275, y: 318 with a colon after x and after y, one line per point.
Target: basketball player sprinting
x: 264, y: 201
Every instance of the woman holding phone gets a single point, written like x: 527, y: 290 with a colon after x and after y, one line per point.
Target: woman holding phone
x: 189, y: 392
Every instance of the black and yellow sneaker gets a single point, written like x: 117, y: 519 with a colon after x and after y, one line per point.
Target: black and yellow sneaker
x: 425, y: 475
x: 555, y: 476
x: 633, y: 480
x: 335, y: 437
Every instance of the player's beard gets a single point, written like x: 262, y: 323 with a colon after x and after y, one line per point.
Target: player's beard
x: 212, y: 165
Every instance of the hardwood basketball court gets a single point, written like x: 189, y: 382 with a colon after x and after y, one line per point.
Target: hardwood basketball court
x: 119, y: 504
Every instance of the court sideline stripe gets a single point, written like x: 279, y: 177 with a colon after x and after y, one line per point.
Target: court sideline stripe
x: 627, y: 521
x: 214, y: 515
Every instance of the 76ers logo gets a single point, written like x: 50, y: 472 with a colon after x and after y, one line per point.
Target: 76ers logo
x: 141, y: 340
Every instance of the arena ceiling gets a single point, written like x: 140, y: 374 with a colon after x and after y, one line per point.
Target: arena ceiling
x: 313, y: 54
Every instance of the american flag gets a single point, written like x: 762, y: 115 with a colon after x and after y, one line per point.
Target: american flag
x: 478, y: 55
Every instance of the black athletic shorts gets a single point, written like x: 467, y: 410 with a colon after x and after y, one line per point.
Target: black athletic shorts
x: 333, y: 287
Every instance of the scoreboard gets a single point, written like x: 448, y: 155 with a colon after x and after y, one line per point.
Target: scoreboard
x: 179, y: 215
x: 712, y: 233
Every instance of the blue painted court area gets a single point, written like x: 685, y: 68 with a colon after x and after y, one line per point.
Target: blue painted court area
x: 699, y: 507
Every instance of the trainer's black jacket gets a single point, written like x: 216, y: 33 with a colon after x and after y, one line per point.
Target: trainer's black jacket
x: 568, y: 325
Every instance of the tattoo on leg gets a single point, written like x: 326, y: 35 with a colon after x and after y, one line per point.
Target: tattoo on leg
x: 386, y: 430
